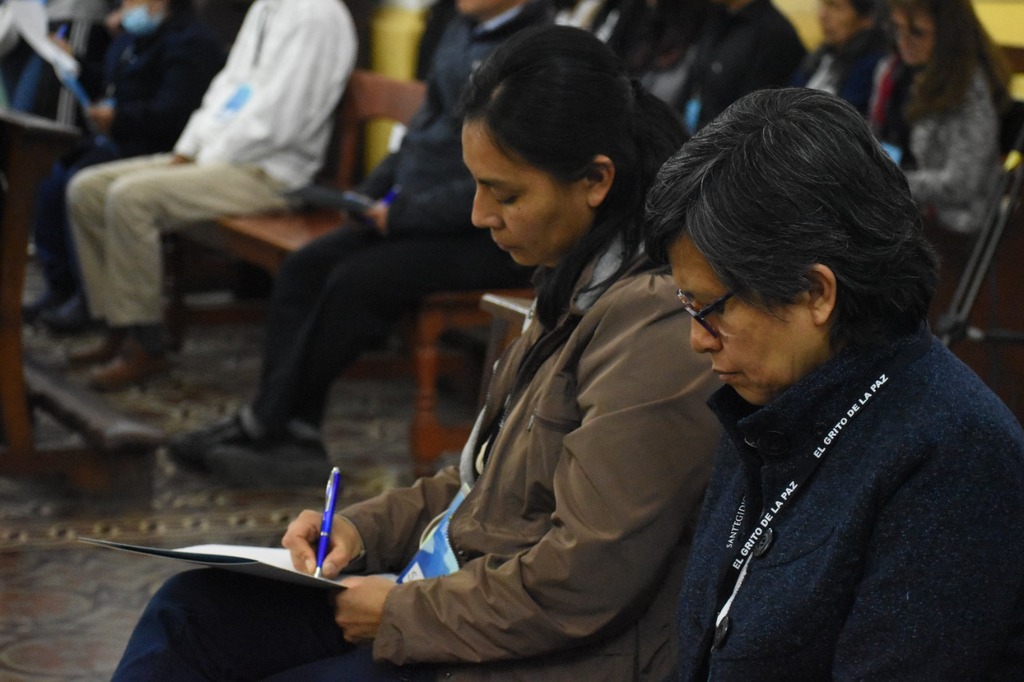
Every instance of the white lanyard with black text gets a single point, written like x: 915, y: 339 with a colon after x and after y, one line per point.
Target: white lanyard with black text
x: 737, y: 570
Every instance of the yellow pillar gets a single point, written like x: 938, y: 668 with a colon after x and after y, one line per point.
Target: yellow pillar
x: 395, y: 40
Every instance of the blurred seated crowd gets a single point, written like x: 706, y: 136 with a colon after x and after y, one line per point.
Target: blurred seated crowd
x: 185, y: 126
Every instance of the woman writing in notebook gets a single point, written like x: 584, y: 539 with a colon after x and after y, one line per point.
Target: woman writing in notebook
x: 568, y: 520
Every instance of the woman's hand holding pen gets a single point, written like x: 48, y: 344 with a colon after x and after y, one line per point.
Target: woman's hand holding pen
x: 358, y: 608
x: 303, y: 534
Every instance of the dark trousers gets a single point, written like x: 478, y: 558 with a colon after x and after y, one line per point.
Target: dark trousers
x: 218, y: 625
x: 51, y: 231
x: 343, y: 293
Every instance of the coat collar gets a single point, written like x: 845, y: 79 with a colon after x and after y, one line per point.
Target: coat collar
x: 812, y: 405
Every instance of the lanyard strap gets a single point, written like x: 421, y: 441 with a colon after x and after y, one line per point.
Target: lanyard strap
x: 737, y: 569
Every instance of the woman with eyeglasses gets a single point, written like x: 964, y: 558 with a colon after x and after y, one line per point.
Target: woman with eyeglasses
x: 864, y: 515
x: 937, y: 106
x: 566, y: 527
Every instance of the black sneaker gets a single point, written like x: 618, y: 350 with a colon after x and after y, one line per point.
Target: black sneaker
x: 282, y: 463
x: 191, y: 450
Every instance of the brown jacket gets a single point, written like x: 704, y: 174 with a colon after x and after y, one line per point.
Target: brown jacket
x: 573, y: 539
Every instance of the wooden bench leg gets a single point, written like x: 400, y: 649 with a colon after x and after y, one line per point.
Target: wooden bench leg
x: 424, y: 433
x: 428, y: 438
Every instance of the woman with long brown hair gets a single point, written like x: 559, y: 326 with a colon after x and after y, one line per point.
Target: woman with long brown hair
x: 937, y: 104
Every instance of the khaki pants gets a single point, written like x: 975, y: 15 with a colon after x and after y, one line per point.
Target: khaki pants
x: 119, y: 210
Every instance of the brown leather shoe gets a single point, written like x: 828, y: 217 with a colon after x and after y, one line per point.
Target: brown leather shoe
x: 100, y: 353
x: 131, y: 366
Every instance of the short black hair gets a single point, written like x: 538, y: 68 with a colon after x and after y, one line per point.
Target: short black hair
x: 782, y: 180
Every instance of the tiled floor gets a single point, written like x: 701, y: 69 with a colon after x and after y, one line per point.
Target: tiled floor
x: 66, y: 609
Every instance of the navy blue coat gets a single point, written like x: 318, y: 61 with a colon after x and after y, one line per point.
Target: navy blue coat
x: 739, y: 52
x: 157, y: 81
x: 902, y: 557
x: 436, y: 187
x: 854, y: 67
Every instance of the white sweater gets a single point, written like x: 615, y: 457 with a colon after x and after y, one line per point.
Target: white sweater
x: 293, y: 58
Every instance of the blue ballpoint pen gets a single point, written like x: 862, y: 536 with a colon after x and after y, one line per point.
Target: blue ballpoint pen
x: 325, y: 523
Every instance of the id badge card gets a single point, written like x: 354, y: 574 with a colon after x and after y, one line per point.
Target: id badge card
x: 235, y: 103
x: 894, y: 152
x: 691, y: 114
x: 435, y: 556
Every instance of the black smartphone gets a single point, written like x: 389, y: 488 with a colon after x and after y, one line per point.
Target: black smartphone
x: 318, y: 196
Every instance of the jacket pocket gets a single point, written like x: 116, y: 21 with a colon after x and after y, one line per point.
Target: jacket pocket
x: 554, y: 414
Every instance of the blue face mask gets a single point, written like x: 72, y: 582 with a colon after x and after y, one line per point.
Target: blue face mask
x: 138, y: 21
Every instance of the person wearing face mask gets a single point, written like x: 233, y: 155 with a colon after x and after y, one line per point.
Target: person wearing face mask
x: 143, y: 18
x: 156, y: 72
x: 852, y: 45
x: 262, y: 129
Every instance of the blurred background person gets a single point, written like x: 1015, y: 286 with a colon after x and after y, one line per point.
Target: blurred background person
x: 655, y: 38
x: 261, y: 130
x: 938, y: 104
x: 156, y: 72
x: 31, y: 84
x: 343, y: 292
x: 745, y: 45
x: 657, y: 41
x: 937, y: 107
x: 852, y: 44
x: 868, y: 482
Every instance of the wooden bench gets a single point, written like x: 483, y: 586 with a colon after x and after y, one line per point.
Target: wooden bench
x: 265, y: 240
x: 28, y: 147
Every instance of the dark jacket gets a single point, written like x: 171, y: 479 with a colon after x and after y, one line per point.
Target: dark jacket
x: 852, y: 67
x: 157, y: 81
x: 572, y: 541
x: 436, y: 188
x: 754, y: 48
x: 900, y: 557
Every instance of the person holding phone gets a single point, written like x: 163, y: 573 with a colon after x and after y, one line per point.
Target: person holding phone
x: 343, y: 293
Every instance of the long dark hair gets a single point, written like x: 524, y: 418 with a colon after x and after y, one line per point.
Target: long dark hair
x: 556, y: 97
x: 961, y: 46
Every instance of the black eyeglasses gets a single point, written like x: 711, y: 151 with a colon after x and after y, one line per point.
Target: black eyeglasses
x: 699, y: 315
